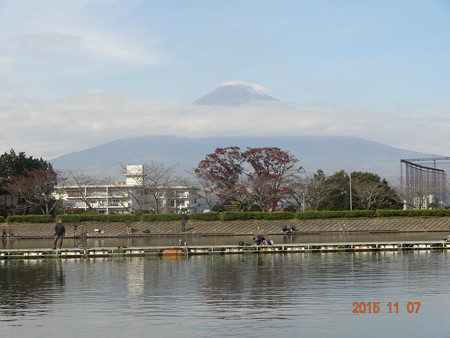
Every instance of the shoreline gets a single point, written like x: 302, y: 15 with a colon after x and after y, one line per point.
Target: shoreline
x: 232, y: 228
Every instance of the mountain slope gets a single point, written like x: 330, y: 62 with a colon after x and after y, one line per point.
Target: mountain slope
x: 314, y: 152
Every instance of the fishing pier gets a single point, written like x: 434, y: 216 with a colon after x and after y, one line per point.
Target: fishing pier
x: 185, y: 250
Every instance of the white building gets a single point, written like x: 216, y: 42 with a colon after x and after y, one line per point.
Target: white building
x: 130, y: 196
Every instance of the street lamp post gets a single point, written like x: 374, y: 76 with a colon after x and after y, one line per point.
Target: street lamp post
x: 350, y: 182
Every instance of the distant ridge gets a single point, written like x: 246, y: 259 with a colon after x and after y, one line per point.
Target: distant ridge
x: 235, y: 93
x: 328, y: 153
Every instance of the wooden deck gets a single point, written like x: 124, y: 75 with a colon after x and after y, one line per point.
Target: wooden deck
x: 223, y: 249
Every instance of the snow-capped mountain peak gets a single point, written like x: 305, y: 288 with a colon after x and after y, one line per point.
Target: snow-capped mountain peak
x: 235, y: 93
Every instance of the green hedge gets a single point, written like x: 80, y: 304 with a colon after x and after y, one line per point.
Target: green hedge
x: 163, y: 217
x: 228, y: 216
x: 277, y: 215
x: 204, y: 216
x: 242, y: 216
x: 255, y: 215
x: 391, y: 213
x: 30, y: 219
x: 335, y: 214
x: 98, y: 218
x: 413, y: 213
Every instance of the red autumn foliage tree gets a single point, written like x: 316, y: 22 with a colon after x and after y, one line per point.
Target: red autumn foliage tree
x: 15, y: 164
x: 261, y: 175
x: 273, y: 175
x: 34, y: 189
x: 222, y: 170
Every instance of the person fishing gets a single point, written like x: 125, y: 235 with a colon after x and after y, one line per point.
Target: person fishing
x: 60, y: 231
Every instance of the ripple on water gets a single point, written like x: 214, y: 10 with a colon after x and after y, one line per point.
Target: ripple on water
x: 249, y: 295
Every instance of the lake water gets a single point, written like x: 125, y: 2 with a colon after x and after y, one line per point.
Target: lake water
x: 248, y: 295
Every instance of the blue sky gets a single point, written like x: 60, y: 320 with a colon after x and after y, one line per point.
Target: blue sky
x: 76, y: 74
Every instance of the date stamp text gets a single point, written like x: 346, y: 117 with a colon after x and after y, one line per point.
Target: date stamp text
x: 391, y: 307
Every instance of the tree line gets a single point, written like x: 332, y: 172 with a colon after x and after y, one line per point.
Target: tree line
x: 272, y: 179
x: 254, y: 179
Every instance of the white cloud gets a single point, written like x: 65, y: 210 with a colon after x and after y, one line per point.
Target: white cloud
x: 56, y: 127
x: 118, y: 50
x: 87, y: 46
x: 34, y: 40
x: 70, y: 43
x: 255, y: 86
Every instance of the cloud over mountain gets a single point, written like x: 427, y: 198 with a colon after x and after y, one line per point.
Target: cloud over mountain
x: 61, y: 126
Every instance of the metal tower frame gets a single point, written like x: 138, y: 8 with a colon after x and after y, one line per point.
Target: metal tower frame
x: 423, y: 184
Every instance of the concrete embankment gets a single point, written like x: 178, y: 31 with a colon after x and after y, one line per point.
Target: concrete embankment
x: 220, y: 228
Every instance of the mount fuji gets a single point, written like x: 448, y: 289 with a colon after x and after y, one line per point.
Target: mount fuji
x: 235, y: 93
x: 329, y: 153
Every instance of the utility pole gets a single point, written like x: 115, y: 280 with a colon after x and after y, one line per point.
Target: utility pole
x: 350, y: 182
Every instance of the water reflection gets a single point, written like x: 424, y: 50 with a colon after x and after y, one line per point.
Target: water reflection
x: 246, y: 283
x: 289, y: 294
x: 29, y: 285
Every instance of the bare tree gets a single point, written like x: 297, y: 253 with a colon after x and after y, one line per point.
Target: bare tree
x: 415, y: 195
x: 368, y: 192
x: 155, y: 181
x: 82, y: 187
x: 205, y: 192
x: 298, y: 193
x: 122, y: 198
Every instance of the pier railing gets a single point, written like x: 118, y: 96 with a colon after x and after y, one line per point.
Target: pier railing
x: 185, y: 250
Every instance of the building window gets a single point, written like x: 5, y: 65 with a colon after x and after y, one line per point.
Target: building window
x: 114, y: 203
x: 72, y: 193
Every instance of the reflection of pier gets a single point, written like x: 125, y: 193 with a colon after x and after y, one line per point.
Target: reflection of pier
x: 225, y: 249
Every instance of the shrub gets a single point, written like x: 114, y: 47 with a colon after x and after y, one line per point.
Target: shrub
x: 335, y: 214
x: 358, y: 213
x: 69, y: 218
x: 204, y: 216
x: 163, y: 217
x: 290, y: 208
x: 30, y: 219
x: 219, y: 208
x: 278, y: 215
x: 413, y: 213
x: 441, y: 213
x: 249, y: 215
x: 78, y: 218
x: 255, y: 207
x: 2, y: 219
x: 3, y: 211
x: 310, y: 215
x: 242, y: 216
x: 77, y: 211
